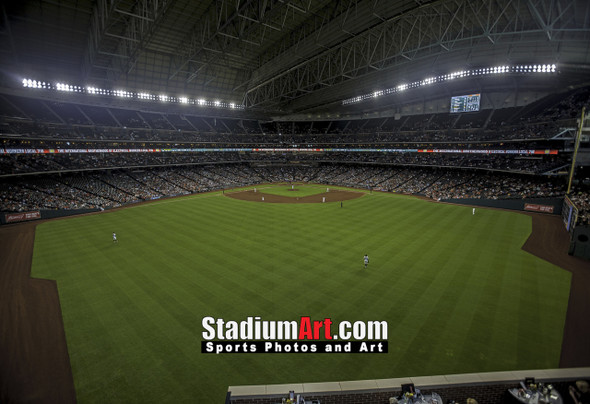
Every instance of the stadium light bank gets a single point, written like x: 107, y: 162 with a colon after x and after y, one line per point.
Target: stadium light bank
x: 484, y: 71
x: 120, y: 93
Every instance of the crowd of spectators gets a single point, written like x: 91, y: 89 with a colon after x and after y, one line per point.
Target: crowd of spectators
x: 559, y: 108
x: 103, y: 190
x: 495, y: 186
x: 581, y: 198
x: 40, y: 163
x: 19, y: 134
x: 48, y: 193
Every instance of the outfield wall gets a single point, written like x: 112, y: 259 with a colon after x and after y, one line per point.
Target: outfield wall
x: 486, y: 388
x: 55, y: 213
x: 512, y: 204
x: 43, y: 214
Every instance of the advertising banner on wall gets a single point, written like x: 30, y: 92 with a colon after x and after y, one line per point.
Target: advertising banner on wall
x: 538, y: 208
x: 22, y: 216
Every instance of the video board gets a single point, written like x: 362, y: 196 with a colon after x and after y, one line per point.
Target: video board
x: 465, y: 103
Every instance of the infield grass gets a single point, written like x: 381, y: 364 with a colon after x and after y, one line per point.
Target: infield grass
x: 297, y: 191
x: 456, y: 289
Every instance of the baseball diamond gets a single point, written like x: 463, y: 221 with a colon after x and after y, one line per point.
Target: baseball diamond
x: 150, y: 283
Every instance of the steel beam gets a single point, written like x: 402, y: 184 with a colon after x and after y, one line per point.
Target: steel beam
x: 122, y: 30
x: 229, y: 26
x: 437, y: 28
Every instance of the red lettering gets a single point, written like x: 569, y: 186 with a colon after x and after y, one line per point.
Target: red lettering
x: 305, y: 328
x: 316, y: 329
x: 327, y: 324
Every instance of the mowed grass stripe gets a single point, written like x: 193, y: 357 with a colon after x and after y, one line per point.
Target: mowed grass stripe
x: 127, y: 305
x: 477, y: 323
x: 140, y: 273
x: 135, y: 331
x: 425, y: 335
x: 208, y: 264
x: 175, y: 316
x: 453, y: 287
x: 261, y: 226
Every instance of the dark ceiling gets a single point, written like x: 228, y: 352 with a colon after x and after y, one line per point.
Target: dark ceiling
x: 298, y: 56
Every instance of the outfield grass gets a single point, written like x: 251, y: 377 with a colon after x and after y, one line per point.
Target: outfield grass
x: 458, y: 292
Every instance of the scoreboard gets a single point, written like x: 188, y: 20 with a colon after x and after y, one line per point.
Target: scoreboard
x: 465, y: 103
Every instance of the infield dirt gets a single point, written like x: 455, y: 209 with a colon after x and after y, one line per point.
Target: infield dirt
x: 332, y: 196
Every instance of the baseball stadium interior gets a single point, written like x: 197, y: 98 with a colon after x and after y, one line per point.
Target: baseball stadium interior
x: 106, y: 104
